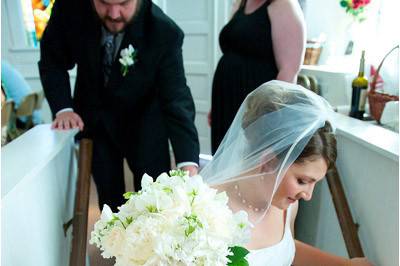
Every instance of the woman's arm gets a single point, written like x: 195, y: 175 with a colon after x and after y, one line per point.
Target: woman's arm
x: 307, y: 255
x: 288, y: 37
x: 235, y: 7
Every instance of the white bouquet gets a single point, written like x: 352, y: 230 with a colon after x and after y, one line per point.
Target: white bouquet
x: 175, y: 220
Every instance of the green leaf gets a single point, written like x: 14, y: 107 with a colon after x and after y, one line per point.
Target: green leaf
x: 238, y: 257
x: 128, y: 195
x: 192, y: 224
x: 239, y: 262
x: 189, y: 230
x: 178, y: 172
x: 239, y: 251
x: 343, y: 3
x: 129, y: 220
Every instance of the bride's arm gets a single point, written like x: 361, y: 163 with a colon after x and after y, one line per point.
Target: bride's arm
x: 307, y: 255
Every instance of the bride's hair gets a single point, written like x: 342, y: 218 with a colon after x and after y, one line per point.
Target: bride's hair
x: 322, y: 143
x: 277, y: 125
x: 272, y: 98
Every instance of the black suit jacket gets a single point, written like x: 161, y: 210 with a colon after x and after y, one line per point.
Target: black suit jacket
x: 143, y: 109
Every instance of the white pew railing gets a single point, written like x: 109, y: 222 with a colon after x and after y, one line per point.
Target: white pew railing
x: 38, y: 183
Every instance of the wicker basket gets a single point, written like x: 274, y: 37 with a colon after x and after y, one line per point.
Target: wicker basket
x: 377, y: 100
x: 313, y: 51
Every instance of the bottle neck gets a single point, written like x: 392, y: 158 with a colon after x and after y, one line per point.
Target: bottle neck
x: 361, y: 69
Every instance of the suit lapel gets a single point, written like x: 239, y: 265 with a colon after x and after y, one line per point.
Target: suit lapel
x: 95, y: 53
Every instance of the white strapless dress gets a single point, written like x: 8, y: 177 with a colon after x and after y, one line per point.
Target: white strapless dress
x: 280, y: 254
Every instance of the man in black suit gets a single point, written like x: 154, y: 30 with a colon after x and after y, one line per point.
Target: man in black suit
x: 129, y: 108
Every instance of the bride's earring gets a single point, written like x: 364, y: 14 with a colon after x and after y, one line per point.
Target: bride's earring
x: 268, y: 166
x: 263, y: 170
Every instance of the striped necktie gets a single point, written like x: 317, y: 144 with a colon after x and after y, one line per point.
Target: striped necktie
x: 108, y: 56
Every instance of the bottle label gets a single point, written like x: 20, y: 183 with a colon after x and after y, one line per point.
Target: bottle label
x: 363, y: 99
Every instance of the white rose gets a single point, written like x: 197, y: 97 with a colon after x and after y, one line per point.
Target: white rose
x: 114, y: 242
x: 141, y: 237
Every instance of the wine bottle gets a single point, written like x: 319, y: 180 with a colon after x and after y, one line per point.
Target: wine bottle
x: 359, y: 94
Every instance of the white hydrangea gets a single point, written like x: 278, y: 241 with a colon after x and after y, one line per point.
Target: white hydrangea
x: 175, y: 220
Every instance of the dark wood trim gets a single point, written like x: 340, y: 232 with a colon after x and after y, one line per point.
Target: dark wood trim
x: 349, y: 228
x: 80, y: 219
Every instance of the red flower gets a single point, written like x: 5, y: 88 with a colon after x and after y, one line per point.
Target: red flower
x: 355, y: 8
x: 360, y: 3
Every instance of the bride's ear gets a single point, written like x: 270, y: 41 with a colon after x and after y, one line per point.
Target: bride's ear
x: 269, y: 163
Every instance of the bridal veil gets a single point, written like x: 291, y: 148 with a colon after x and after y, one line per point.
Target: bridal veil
x: 270, y: 130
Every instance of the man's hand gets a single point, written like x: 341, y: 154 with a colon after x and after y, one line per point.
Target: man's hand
x: 67, y: 120
x: 192, y: 169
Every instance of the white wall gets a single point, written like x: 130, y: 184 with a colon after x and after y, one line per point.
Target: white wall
x: 329, y: 18
x: 201, y: 21
x: 377, y: 35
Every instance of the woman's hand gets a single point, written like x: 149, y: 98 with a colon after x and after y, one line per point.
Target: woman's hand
x: 359, y: 262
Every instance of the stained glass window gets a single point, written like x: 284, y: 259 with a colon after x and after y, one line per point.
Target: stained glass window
x: 36, y: 15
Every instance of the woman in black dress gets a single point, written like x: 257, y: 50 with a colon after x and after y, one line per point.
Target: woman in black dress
x: 263, y: 41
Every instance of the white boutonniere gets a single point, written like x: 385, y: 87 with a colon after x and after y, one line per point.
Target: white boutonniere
x: 128, y: 58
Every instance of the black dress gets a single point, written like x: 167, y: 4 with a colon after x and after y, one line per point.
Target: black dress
x: 247, y: 62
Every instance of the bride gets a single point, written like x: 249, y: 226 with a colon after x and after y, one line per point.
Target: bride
x: 278, y: 147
